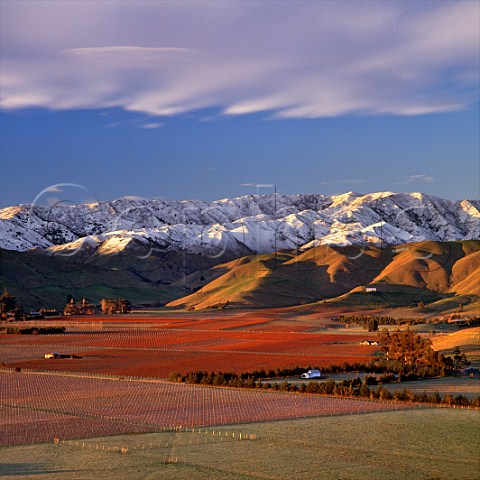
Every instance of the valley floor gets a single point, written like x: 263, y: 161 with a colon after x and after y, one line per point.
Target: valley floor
x: 71, y: 417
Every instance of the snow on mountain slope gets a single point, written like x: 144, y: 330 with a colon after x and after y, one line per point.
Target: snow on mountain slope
x: 243, y: 225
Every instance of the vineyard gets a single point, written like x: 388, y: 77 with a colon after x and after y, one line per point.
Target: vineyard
x: 114, y: 385
x: 182, y: 345
x: 39, y: 407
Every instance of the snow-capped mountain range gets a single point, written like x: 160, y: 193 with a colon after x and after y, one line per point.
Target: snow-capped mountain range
x: 241, y: 226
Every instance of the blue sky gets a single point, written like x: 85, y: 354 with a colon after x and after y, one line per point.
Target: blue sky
x: 207, y: 100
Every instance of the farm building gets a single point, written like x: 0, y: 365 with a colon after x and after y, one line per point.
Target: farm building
x: 52, y: 355
x: 312, y: 374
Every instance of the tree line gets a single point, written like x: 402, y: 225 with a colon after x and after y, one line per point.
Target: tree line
x: 109, y: 306
x: 346, y: 388
x: 372, y: 323
x: 32, y: 330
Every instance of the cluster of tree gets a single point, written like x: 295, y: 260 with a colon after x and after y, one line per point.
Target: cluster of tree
x: 218, y: 379
x: 458, y: 361
x: 9, y: 307
x: 219, y: 306
x: 79, y: 308
x: 411, y: 354
x: 107, y: 305
x: 373, y: 322
x: 32, y: 330
x: 111, y: 306
x: 346, y: 388
x: 462, y: 320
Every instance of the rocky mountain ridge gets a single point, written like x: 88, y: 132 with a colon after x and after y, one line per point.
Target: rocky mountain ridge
x: 240, y: 226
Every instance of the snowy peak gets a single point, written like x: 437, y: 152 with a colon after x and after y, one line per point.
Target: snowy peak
x: 248, y: 224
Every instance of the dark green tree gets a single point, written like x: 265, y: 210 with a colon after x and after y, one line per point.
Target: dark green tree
x: 8, y: 303
x: 372, y: 324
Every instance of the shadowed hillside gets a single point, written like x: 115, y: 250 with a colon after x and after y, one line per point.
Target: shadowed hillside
x: 40, y: 280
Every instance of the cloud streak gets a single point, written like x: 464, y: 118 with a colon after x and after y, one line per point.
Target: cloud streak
x: 286, y: 60
x: 417, y: 178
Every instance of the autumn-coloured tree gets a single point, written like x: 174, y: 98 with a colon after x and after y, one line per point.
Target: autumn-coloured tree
x: 111, y: 306
x: 80, y: 308
x: 412, y: 352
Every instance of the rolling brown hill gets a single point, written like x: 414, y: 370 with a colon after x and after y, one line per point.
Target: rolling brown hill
x: 465, y: 275
x: 424, y: 271
x: 435, y: 266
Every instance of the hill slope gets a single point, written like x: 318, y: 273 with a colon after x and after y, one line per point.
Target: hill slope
x: 39, y: 280
x: 425, y: 271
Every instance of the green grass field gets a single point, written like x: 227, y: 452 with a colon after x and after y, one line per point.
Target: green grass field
x: 429, y: 444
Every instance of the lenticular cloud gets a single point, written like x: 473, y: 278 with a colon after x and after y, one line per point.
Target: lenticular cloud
x: 289, y: 60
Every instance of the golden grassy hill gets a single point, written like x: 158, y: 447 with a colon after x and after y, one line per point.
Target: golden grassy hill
x: 466, y: 275
x: 425, y: 271
x: 284, y: 278
x: 423, y: 265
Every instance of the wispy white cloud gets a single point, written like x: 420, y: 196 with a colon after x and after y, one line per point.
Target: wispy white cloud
x: 152, y: 125
x: 132, y: 197
x: 302, y: 60
x: 421, y: 177
x: 140, y: 122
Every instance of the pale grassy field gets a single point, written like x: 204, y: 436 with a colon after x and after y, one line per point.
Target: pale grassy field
x: 468, y: 336
x: 468, y: 387
x: 425, y: 444
x: 468, y: 340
